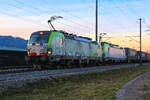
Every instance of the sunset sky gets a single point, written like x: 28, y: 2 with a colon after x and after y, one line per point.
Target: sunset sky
x: 117, y: 18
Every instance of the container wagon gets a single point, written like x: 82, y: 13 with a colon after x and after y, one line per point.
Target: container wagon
x: 131, y: 55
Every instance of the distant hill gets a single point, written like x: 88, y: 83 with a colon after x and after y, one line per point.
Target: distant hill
x: 13, y: 42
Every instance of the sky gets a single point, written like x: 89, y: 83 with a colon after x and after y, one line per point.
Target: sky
x: 117, y: 18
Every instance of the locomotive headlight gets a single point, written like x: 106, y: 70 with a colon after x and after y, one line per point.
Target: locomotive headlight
x: 49, y: 51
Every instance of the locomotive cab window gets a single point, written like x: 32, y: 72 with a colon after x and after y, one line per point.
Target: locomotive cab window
x: 39, y: 38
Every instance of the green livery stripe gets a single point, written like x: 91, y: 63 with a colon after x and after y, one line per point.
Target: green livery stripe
x: 28, y: 44
x: 52, y: 35
x: 95, y: 53
x: 104, y: 47
x: 57, y: 47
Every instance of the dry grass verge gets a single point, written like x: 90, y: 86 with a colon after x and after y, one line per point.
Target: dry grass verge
x: 95, y: 86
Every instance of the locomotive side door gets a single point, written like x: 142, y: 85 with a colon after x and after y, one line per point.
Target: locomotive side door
x: 58, y: 45
x: 61, y: 45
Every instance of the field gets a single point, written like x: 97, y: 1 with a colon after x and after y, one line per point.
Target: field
x: 95, y: 86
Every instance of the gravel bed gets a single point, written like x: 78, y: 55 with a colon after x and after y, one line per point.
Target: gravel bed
x: 19, y: 79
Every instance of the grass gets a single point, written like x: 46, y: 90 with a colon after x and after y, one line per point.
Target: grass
x: 95, y: 86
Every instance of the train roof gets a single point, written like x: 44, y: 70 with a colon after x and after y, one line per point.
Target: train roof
x: 130, y: 49
x: 74, y: 36
x: 112, y: 45
x: 142, y: 51
x: 68, y: 35
x: 44, y: 31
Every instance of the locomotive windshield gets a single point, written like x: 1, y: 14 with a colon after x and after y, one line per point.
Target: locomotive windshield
x: 39, y: 38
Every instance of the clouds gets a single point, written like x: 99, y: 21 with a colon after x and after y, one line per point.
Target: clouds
x: 20, y: 27
x: 116, y: 17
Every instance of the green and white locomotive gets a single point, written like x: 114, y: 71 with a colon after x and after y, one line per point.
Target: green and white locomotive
x: 113, y: 53
x: 57, y: 47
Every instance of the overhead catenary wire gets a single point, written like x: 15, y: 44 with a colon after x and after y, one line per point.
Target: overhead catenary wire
x: 24, y: 19
x: 68, y: 19
x: 75, y: 16
x: 133, y: 38
x: 121, y: 26
x: 36, y: 14
x: 148, y: 26
x: 143, y: 20
x: 130, y: 9
x: 124, y: 14
x: 37, y: 9
x: 133, y: 13
x: 28, y: 20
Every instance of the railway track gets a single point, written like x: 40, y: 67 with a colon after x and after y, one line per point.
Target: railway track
x: 17, y: 70
x: 29, y: 68
x: 14, y: 67
x: 19, y: 79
